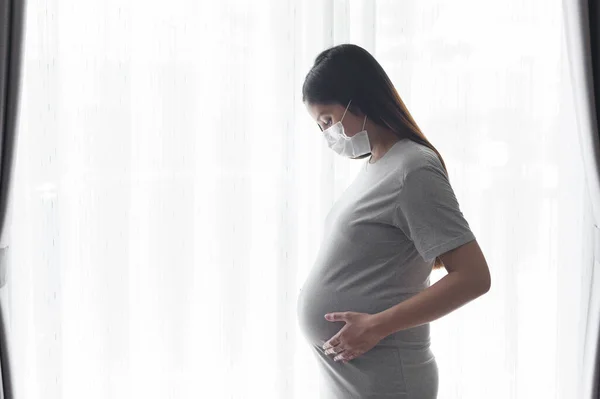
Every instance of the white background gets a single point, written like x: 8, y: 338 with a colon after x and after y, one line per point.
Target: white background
x: 170, y: 191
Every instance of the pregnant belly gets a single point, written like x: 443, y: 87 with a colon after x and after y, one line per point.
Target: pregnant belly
x: 311, y: 310
x: 317, y: 299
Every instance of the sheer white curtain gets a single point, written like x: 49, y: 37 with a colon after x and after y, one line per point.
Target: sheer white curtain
x: 170, y: 190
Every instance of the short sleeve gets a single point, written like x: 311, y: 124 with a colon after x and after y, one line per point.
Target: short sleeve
x: 428, y: 212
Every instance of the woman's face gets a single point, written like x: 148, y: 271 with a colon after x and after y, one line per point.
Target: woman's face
x: 329, y: 114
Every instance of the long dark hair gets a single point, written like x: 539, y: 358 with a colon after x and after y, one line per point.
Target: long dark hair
x: 349, y: 72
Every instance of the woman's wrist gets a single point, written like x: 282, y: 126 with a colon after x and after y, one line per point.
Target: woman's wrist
x: 380, y: 324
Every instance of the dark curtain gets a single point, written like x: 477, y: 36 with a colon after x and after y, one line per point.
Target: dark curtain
x: 594, y: 26
x: 593, y: 22
x: 581, y: 23
x: 11, y: 32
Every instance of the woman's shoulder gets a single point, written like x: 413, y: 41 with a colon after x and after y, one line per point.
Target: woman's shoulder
x: 412, y: 156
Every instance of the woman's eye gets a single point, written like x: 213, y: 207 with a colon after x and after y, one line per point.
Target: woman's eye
x: 328, y: 122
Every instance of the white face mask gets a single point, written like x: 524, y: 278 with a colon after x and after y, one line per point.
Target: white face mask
x: 351, y: 147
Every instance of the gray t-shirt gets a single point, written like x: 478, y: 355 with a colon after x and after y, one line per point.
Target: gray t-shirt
x: 380, y: 241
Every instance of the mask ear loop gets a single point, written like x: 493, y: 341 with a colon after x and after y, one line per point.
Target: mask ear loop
x: 371, y: 157
x: 340, y: 122
x: 346, y: 110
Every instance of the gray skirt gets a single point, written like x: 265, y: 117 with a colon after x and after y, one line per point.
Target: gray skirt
x: 387, y: 371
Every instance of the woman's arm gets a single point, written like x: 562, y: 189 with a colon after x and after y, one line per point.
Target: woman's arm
x: 468, y: 278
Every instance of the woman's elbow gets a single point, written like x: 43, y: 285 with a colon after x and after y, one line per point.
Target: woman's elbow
x: 485, y: 283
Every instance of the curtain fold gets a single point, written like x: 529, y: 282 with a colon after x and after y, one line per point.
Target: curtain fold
x: 594, y: 27
x: 583, y: 45
x: 11, y: 32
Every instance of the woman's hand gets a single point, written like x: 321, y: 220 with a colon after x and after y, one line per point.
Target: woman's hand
x: 358, y: 336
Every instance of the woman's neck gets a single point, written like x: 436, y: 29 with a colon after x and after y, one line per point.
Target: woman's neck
x: 381, y: 141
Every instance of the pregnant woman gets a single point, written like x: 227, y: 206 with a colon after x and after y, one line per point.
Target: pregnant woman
x: 367, y: 302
